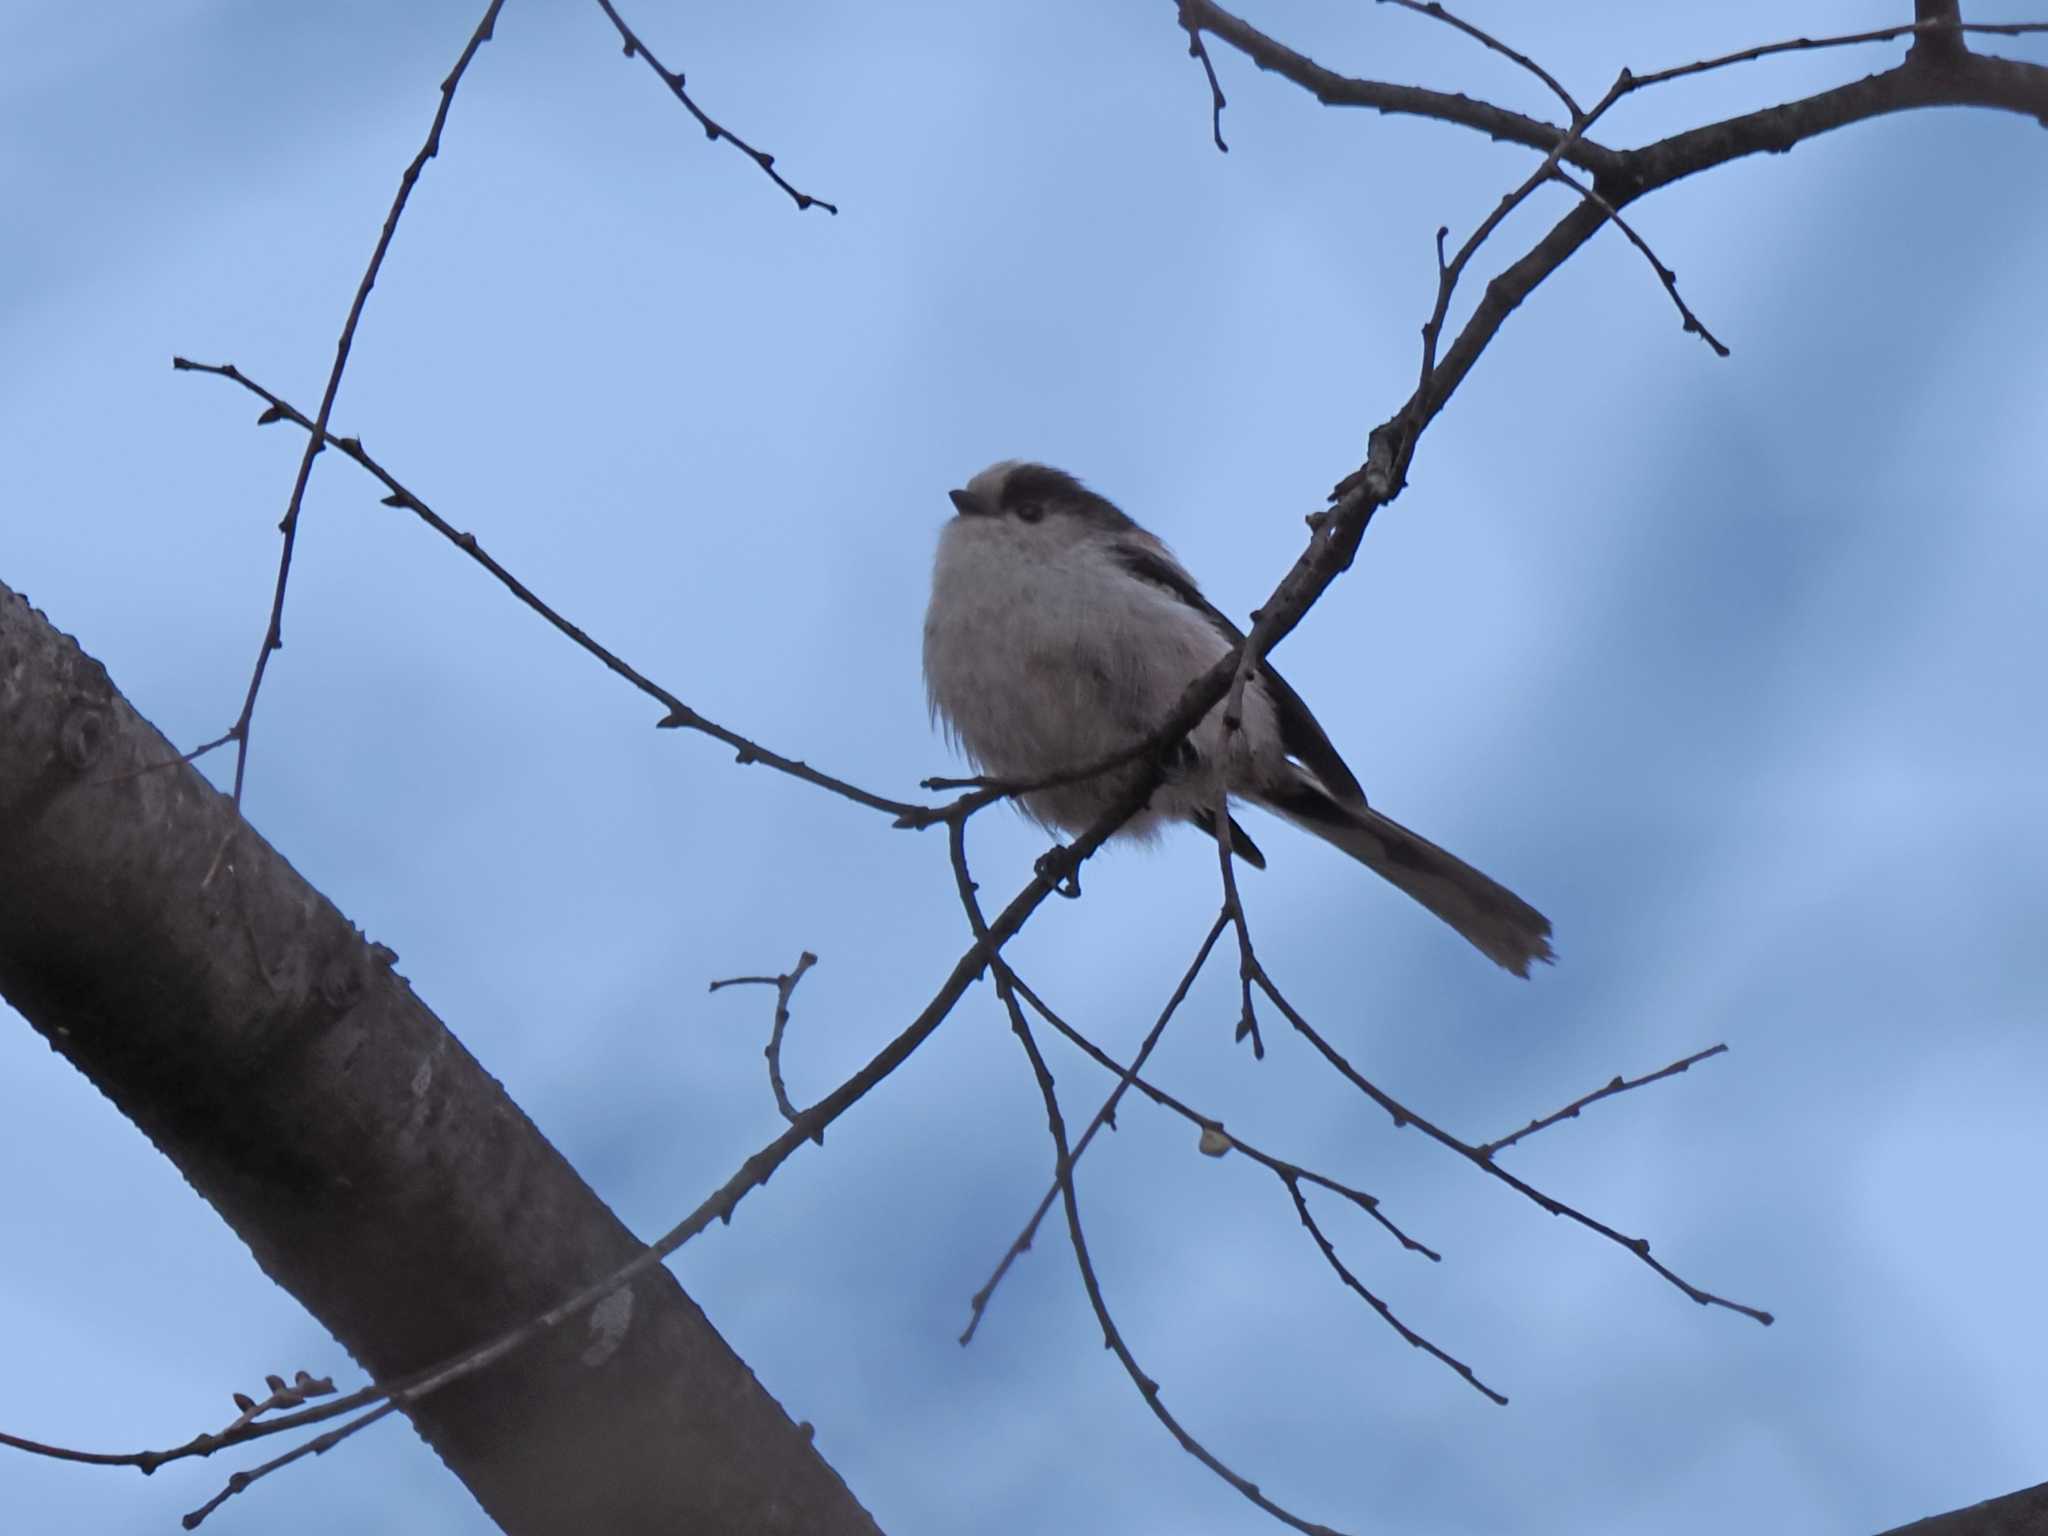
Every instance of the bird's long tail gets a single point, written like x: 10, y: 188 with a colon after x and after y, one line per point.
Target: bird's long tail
x: 1492, y: 918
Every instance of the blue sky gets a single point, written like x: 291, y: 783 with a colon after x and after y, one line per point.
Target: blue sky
x: 1729, y: 666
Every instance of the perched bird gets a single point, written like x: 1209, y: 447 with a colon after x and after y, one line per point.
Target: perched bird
x: 1060, y: 632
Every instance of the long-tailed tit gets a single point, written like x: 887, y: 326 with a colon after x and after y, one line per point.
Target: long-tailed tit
x: 1060, y: 632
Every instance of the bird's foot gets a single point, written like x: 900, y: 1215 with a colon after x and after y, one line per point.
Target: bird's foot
x: 1059, y: 872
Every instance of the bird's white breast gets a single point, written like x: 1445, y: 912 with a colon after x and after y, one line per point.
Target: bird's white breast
x: 1042, y: 653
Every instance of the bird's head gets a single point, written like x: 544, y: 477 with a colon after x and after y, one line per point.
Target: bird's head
x: 1036, y: 504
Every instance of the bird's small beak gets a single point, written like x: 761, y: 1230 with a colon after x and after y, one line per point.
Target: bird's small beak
x: 967, y: 504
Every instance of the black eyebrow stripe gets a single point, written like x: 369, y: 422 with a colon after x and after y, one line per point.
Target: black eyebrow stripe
x: 1047, y: 486
x: 1038, y: 482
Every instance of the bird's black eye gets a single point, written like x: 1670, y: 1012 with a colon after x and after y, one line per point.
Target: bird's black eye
x: 1029, y: 511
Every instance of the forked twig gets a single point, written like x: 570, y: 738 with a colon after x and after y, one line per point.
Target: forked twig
x: 1401, y: 1115
x: 1105, y: 1116
x: 273, y: 633
x: 319, y: 1445
x: 1063, y: 1164
x: 1216, y: 1139
x: 1292, y: 1176
x: 680, y: 715
x: 1199, y: 49
x: 1233, y: 909
x: 1386, y: 1312
x: 784, y: 986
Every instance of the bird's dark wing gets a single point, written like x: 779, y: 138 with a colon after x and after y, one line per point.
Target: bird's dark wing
x: 1299, y: 733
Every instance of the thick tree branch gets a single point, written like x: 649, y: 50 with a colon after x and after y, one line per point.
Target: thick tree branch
x: 1941, y: 37
x: 376, y: 1171
x: 2024, y: 1513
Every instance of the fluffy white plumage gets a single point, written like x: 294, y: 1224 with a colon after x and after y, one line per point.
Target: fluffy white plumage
x: 1043, y: 652
x: 1060, y: 631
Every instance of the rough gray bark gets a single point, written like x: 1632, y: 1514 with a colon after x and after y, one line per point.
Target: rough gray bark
x: 375, y: 1170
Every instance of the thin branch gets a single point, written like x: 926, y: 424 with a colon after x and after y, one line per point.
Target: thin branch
x: 273, y: 634
x: 1064, y: 1174
x: 1436, y: 12
x: 1233, y: 909
x: 1156, y: 747
x: 1977, y: 81
x: 1250, y: 973
x: 284, y: 1400
x: 319, y: 1445
x: 1694, y: 326
x: 673, y: 79
x: 1620, y: 177
x: 1386, y: 1312
x: 1198, y: 49
x: 1449, y: 272
x: 680, y: 715
x: 1104, y: 1116
x: 984, y: 790
x: 1915, y: 29
x: 1401, y: 1115
x: 1216, y: 1139
x: 1335, y: 90
x: 1619, y: 1084
x: 784, y: 986
x: 1112, y: 1339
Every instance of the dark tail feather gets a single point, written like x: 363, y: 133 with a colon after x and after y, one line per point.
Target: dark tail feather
x: 1492, y: 918
x: 1241, y: 842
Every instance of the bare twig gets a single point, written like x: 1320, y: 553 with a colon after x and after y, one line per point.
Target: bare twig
x: 1401, y: 1115
x: 1291, y: 1176
x: 680, y: 715
x: 1619, y: 1084
x: 1233, y: 909
x: 283, y: 1395
x: 1386, y: 1312
x: 986, y: 789
x: 1436, y: 12
x: 1448, y: 272
x: 319, y: 1445
x: 1915, y: 29
x: 273, y: 634
x: 2018, y: 92
x: 1212, y: 1129
x: 1064, y: 1175
x: 248, y: 1424
x: 1251, y: 972
x: 1198, y: 49
x: 1113, y: 1339
x: 1692, y: 322
x: 673, y: 79
x: 1335, y: 90
x: 1620, y: 177
x: 1105, y: 1116
x: 784, y: 986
